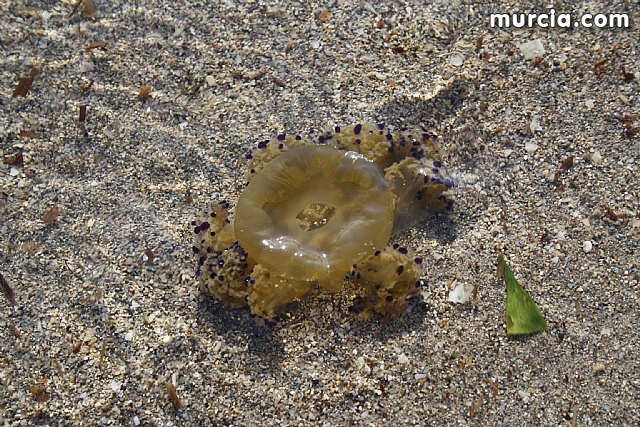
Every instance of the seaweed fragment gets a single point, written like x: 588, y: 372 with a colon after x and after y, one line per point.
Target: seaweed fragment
x: 24, y: 84
x: 7, y: 290
x: 173, y: 395
x: 523, y: 317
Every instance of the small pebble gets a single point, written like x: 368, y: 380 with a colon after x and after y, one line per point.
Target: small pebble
x: 598, y: 368
x: 89, y: 334
x: 403, y: 359
x: 524, y: 395
x: 596, y: 158
x: 532, y: 49
x: 85, y: 66
x: 587, y: 246
x: 456, y: 60
x: 590, y: 103
x: 370, y: 8
x: 534, y: 126
x: 530, y: 147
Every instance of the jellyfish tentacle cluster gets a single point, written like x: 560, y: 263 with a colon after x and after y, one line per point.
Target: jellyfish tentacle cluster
x: 321, y: 214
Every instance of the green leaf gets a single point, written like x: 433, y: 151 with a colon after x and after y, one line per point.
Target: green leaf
x: 523, y: 315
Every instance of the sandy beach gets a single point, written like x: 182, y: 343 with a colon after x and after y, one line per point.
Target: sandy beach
x: 121, y: 121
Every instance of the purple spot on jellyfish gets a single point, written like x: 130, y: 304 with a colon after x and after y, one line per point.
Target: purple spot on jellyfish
x: 418, y: 261
x: 263, y: 144
x: 281, y: 137
x: 357, y: 129
x: 437, y: 164
x: 337, y: 129
x: 448, y: 183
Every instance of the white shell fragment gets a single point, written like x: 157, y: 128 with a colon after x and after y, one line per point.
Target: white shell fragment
x: 530, y: 147
x: 461, y: 293
x: 596, y: 158
x: 456, y: 60
x: 532, y: 49
x: 534, y: 126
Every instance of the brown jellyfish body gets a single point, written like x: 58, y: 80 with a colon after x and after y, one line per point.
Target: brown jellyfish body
x: 314, y: 211
x: 311, y: 214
